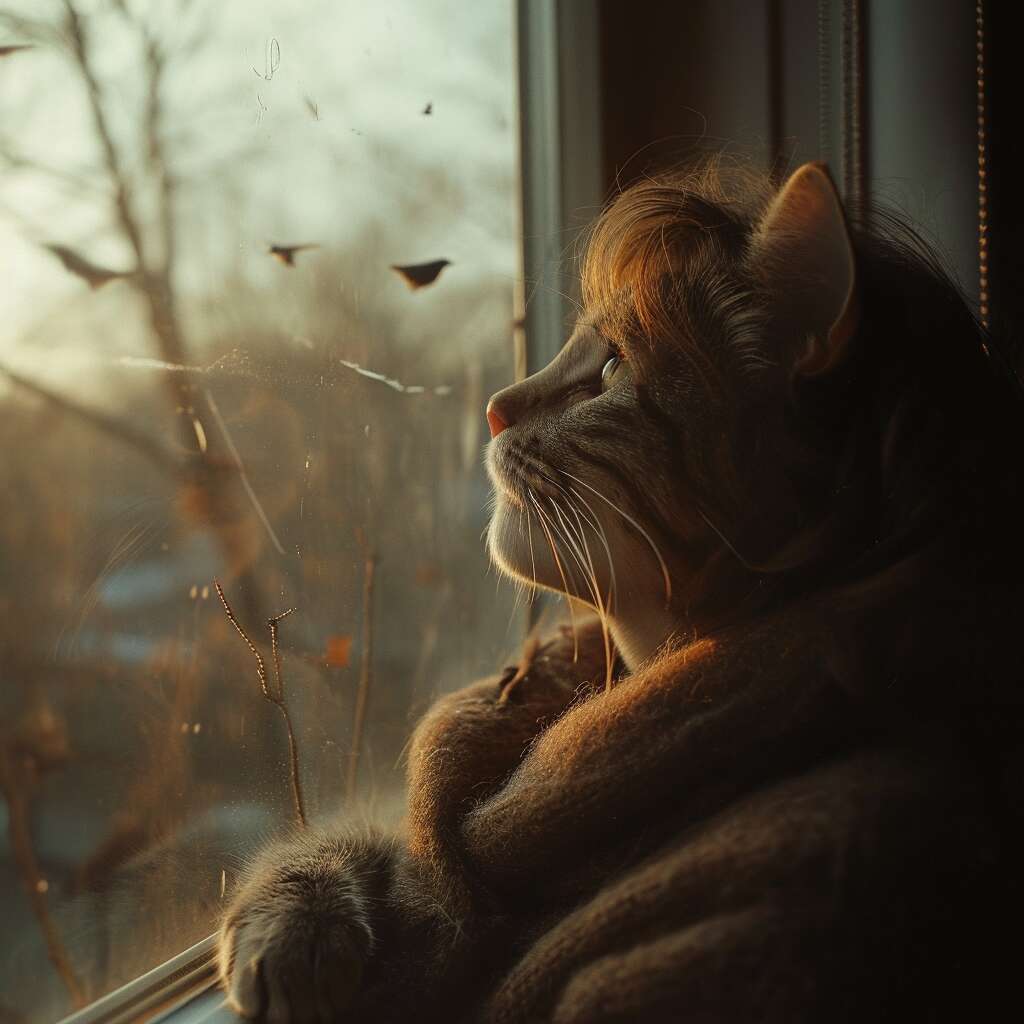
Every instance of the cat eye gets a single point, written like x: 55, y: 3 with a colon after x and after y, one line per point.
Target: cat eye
x: 611, y: 371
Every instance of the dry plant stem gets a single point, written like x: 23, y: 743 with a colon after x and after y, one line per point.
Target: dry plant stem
x: 282, y: 704
x: 15, y: 794
x: 365, y: 678
x: 275, y: 696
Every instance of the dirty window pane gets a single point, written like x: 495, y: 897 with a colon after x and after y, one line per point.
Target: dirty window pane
x: 210, y: 370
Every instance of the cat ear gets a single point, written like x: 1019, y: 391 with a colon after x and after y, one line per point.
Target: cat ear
x: 803, y: 247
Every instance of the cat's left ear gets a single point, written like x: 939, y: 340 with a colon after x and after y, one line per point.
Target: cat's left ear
x: 803, y: 247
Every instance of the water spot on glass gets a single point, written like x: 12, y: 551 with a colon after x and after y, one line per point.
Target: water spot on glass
x: 309, y: 456
x: 197, y: 728
x: 193, y: 592
x: 366, y: 430
x: 42, y: 885
x: 205, y: 593
x: 200, y: 434
x: 184, y: 727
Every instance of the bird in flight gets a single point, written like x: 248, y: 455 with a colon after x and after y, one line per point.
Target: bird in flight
x: 286, y: 253
x: 419, y: 275
x: 92, y: 274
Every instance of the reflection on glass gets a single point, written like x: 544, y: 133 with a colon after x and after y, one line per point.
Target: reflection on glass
x: 210, y: 371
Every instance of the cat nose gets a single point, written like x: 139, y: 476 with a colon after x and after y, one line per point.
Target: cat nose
x: 495, y: 420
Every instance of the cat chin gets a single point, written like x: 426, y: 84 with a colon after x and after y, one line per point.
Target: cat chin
x: 509, y: 546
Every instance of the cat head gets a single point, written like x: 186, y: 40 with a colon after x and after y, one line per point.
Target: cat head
x: 721, y: 417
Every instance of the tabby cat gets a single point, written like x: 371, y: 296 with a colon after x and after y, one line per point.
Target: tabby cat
x: 774, y: 776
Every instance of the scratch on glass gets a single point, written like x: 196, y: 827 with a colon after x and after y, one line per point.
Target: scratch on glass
x: 231, y: 362
x: 241, y: 472
x: 396, y: 385
x: 271, y: 61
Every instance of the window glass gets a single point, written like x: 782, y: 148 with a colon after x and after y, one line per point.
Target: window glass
x: 210, y: 370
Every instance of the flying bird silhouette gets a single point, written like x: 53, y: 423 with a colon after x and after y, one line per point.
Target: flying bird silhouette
x: 286, y: 253
x: 6, y: 51
x: 428, y: 109
x: 93, y: 275
x: 419, y: 275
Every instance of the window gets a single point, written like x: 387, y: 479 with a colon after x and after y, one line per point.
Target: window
x: 210, y: 371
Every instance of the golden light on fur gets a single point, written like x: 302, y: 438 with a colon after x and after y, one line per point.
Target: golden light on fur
x: 646, y: 234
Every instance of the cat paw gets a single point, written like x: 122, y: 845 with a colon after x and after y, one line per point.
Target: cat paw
x: 293, y: 947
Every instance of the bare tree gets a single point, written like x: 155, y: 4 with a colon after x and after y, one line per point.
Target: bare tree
x: 216, y: 498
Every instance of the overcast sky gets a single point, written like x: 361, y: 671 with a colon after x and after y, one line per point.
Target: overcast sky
x: 257, y: 163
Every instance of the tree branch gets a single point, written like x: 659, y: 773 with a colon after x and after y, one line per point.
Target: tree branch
x: 157, y: 159
x: 16, y: 161
x: 143, y: 444
x: 122, y: 204
x: 153, y: 282
x: 14, y: 785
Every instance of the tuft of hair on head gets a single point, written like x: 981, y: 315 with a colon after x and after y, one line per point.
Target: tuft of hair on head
x: 654, y: 229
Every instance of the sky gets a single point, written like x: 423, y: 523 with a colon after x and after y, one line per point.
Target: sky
x: 285, y: 121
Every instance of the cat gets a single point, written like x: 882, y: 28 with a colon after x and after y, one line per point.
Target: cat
x: 773, y: 775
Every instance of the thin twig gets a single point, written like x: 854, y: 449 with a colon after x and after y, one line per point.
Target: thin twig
x: 35, y: 885
x: 365, y: 675
x: 276, y: 698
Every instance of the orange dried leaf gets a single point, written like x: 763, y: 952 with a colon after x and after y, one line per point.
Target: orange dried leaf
x: 339, y: 650
x: 429, y: 574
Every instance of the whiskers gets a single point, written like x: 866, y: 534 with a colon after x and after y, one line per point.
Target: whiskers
x: 569, y: 522
x: 636, y: 526
x: 563, y: 524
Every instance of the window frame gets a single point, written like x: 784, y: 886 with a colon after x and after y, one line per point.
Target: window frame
x: 165, y: 988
